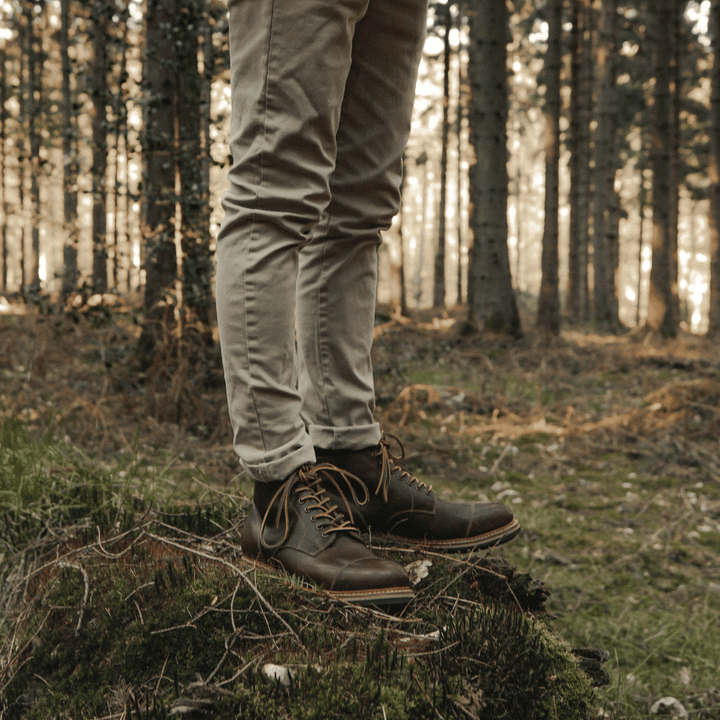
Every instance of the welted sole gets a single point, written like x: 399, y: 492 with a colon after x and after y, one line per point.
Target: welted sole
x: 478, y: 542
x: 375, y: 596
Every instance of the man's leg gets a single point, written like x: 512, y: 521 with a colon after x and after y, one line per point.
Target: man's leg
x: 337, y: 289
x: 289, y: 65
x: 338, y: 269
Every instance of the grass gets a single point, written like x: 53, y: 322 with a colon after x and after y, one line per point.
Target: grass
x: 124, y: 597
x: 632, y: 558
x: 621, y: 513
x: 618, y: 494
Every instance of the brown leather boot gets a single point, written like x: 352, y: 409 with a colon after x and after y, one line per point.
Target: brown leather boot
x: 402, y: 506
x: 303, y: 533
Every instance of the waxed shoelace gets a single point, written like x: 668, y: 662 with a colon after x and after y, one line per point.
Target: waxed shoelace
x: 307, y: 482
x: 391, y: 463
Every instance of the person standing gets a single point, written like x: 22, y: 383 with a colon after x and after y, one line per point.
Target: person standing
x: 322, y: 97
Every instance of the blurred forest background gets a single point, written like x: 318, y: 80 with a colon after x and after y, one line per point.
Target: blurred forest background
x: 567, y: 175
x: 549, y: 312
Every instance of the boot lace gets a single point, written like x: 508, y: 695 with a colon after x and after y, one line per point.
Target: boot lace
x: 308, y: 483
x: 391, y: 467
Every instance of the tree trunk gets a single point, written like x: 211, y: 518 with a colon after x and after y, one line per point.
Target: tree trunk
x: 714, y: 171
x: 3, y: 185
x: 642, y: 200
x: 579, y: 140
x: 439, y: 278
x: 34, y: 88
x: 99, y: 147
x: 612, y: 244
x: 194, y: 201
x: 158, y: 176
x: 421, y: 160
x: 603, y: 269
x: 461, y: 112
x: 119, y: 120
x: 21, y: 144
x: 493, y: 303
x: 70, y: 215
x: 674, y: 179
x: 548, y: 315
x: 660, y: 303
x: 398, y: 298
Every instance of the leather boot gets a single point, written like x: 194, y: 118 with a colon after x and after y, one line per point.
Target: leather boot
x: 301, y: 531
x: 405, y: 508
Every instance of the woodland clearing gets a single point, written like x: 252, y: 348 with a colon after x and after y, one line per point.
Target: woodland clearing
x: 605, y: 446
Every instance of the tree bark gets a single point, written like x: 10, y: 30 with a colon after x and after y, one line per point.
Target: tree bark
x: 159, y: 165
x: 548, y: 315
x: 675, y: 161
x: 99, y: 146
x: 460, y: 113
x: 70, y: 214
x: 714, y: 171
x: 660, y: 317
x: 194, y: 201
x: 34, y: 88
x: 3, y: 158
x: 603, y: 267
x: 440, y: 253
x: 120, y: 123
x: 642, y: 202
x: 493, y: 303
x: 579, y: 141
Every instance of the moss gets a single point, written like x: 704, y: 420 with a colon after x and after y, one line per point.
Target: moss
x: 153, y: 616
x: 502, y: 648
x: 129, y: 608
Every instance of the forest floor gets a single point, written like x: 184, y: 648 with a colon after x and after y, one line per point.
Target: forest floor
x: 605, y: 446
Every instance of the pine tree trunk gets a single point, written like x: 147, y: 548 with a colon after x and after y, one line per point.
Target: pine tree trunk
x: 461, y: 112
x: 394, y: 237
x: 714, y: 172
x: 21, y: 144
x: 580, y: 115
x: 660, y: 303
x: 612, y: 243
x: 573, y: 286
x: 70, y: 249
x: 3, y: 185
x: 548, y: 315
x: 99, y: 147
x: 158, y: 176
x: 439, y: 275
x: 34, y: 88
x: 674, y: 179
x: 603, y: 270
x: 493, y: 303
x: 194, y: 202
x: 642, y: 200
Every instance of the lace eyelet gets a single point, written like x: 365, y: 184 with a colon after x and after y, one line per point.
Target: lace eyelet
x: 325, y: 534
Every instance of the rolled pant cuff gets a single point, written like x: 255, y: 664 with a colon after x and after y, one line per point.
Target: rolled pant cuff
x: 281, y: 468
x: 345, y: 438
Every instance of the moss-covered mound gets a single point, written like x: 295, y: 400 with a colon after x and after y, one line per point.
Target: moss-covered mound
x: 117, y: 603
x: 153, y: 622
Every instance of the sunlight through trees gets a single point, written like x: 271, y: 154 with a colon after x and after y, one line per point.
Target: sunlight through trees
x: 114, y: 124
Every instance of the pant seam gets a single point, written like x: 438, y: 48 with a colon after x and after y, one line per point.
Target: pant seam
x: 322, y: 308
x: 261, y: 172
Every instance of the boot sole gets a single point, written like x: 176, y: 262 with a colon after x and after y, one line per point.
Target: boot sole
x: 374, y: 596
x: 478, y: 542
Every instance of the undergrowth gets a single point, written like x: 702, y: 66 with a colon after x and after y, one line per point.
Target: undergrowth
x: 605, y: 447
x: 115, y: 606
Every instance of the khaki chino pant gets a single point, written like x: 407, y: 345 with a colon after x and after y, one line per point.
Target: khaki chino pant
x: 322, y: 95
